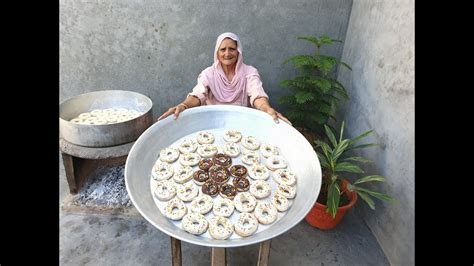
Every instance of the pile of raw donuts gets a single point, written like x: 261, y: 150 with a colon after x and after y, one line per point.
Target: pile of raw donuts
x: 106, y: 116
x: 197, y: 182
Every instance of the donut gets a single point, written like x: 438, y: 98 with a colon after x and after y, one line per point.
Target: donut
x: 275, y: 162
x: 76, y: 120
x: 194, y: 223
x: 165, y: 190
x: 175, y: 209
x: 250, y: 157
x: 238, y: 170
x: 246, y: 224
x: 259, y: 172
x: 200, y: 176
x: 162, y: 171
x: 280, y: 202
x: 288, y: 192
x: 202, y: 204
x: 245, y: 202
x: 97, y: 112
x: 221, y: 159
x: 260, y: 189
x: 187, y: 192
x: 223, y: 207
x: 207, y: 150
x: 219, y: 174
x: 169, y: 155
x: 266, y: 213
x: 187, y: 146
x: 183, y: 175
x: 189, y: 159
x: 284, y: 176
x: 241, y: 183
x: 84, y: 116
x: 250, y: 143
x: 232, y: 136
x: 210, y: 188
x: 220, y: 227
x: 227, y: 191
x: 205, y: 137
x: 268, y: 150
x: 231, y: 149
x: 205, y: 164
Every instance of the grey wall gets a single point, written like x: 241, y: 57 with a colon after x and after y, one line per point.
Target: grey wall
x: 380, y: 48
x: 158, y: 48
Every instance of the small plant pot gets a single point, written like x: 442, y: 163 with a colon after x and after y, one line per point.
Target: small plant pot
x: 319, y: 218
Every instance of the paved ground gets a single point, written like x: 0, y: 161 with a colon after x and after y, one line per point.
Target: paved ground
x: 104, y: 239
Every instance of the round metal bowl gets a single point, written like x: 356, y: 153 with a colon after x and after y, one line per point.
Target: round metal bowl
x: 295, y: 148
x: 110, y: 134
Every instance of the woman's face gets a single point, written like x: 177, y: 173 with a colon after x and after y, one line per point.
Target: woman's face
x: 227, y: 52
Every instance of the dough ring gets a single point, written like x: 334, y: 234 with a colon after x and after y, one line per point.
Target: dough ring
x: 238, y: 170
x: 221, y: 159
x: 187, y: 192
x: 162, y: 171
x: 220, y: 227
x: 165, y: 190
x: 205, y: 137
x: 245, y: 202
x: 260, y: 189
x: 210, y: 188
x: 231, y: 149
x: 280, y: 202
x: 207, y: 150
x: 202, y: 204
x: 200, y: 177
x: 97, y: 112
x: 187, y: 146
x: 250, y: 143
x: 183, y: 175
x: 223, y: 207
x: 189, y: 159
x: 259, y: 172
x: 288, y: 192
x: 268, y: 150
x: 194, y: 223
x: 284, y: 176
x: 246, y: 224
x: 232, y: 136
x: 76, y: 121
x: 219, y: 174
x: 250, y: 157
x: 266, y: 213
x: 175, y: 209
x: 205, y: 164
x: 169, y: 155
x: 275, y: 162
x: 241, y: 183
x: 84, y: 116
x: 227, y: 191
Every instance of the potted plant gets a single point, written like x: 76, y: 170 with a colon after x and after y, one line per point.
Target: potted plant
x: 314, y: 93
x: 339, y: 192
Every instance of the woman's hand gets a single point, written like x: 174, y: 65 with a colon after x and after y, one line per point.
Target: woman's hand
x: 173, y: 110
x: 269, y: 110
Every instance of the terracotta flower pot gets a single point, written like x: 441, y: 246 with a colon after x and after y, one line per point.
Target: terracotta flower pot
x: 319, y: 218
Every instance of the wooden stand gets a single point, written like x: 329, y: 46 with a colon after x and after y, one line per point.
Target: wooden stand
x: 219, y: 254
x: 79, y: 162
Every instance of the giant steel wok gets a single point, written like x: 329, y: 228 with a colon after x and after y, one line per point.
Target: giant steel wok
x: 295, y: 148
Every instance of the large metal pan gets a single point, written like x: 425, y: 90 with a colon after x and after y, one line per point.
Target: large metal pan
x: 104, y: 135
x: 295, y: 148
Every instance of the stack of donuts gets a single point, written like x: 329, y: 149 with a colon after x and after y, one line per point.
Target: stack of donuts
x: 222, y: 189
x: 106, y: 116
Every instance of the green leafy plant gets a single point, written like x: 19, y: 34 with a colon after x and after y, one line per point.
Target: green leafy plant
x: 335, y: 159
x: 314, y: 93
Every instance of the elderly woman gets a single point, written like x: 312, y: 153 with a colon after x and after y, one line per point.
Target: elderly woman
x: 228, y: 81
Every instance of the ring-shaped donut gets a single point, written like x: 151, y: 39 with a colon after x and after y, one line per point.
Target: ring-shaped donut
x: 232, y: 136
x: 220, y: 227
x: 268, y: 150
x: 202, y: 204
x: 250, y: 143
x: 189, y: 159
x: 207, y: 150
x: 266, y: 213
x: 205, y: 137
x: 165, y: 190
x: 250, y: 157
x: 241, y: 183
x: 219, y: 174
x: 162, y: 171
x: 231, y: 149
x: 187, y: 192
x: 245, y: 202
x: 284, y: 176
x: 187, y: 146
x: 222, y: 159
x: 260, y: 189
x: 223, y: 207
x: 227, y: 191
x: 183, y: 174
x: 238, y: 170
x: 200, y: 177
x: 287, y: 191
x: 246, y: 224
x: 194, y: 223
x: 259, y: 172
x: 169, y: 155
x: 275, y: 162
x: 205, y: 164
x: 280, y: 202
x: 210, y: 188
x: 175, y: 209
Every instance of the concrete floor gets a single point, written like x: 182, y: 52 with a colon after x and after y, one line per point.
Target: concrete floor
x: 99, y: 239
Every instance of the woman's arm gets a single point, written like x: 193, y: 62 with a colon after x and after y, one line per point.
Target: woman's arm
x: 262, y: 104
x: 189, y: 102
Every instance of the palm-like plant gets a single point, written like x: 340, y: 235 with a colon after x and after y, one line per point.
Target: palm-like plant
x: 335, y: 159
x: 315, y: 94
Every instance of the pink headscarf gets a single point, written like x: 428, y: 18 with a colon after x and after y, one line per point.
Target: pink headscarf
x: 216, y: 80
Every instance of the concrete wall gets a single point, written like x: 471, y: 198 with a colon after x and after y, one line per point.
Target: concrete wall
x: 158, y: 48
x: 379, y: 46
